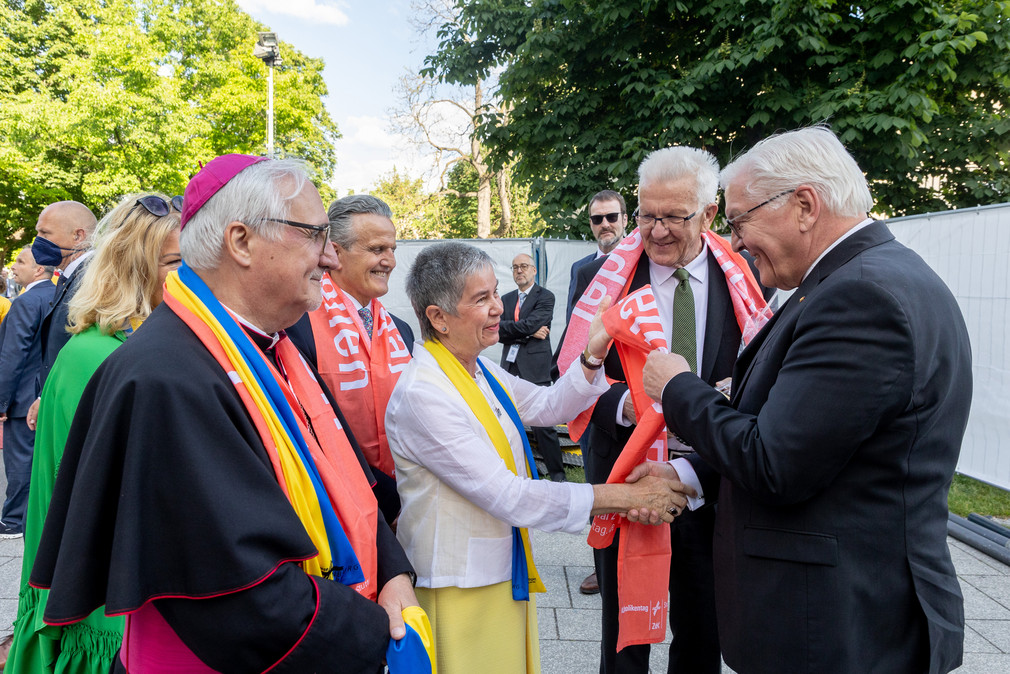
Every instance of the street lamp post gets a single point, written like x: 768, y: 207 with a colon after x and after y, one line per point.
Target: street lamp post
x: 269, y: 51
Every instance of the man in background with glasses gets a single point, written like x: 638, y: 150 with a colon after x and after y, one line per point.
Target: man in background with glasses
x: 63, y: 240
x: 524, y: 329
x: 20, y: 359
x: 608, y: 220
x: 673, y: 251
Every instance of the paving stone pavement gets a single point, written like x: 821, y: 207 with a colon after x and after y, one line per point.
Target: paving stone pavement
x: 570, y: 622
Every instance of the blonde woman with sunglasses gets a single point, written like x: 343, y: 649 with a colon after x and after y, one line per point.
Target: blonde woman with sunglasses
x: 137, y: 246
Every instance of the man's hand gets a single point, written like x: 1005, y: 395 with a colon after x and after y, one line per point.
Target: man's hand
x: 660, y: 368
x: 396, y: 595
x: 33, y: 414
x: 3, y: 418
x: 667, y: 472
x: 541, y: 333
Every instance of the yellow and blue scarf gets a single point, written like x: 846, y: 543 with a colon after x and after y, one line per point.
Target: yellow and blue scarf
x: 301, y: 479
x: 524, y: 571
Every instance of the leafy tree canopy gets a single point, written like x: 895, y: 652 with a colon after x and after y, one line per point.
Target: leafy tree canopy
x: 414, y: 210
x: 916, y: 89
x: 451, y: 214
x: 106, y: 97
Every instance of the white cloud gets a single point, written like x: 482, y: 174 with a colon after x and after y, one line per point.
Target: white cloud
x: 368, y: 151
x: 319, y: 11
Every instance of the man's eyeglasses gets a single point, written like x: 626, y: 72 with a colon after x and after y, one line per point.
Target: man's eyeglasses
x: 598, y: 219
x: 737, y: 226
x: 670, y: 220
x: 322, y: 232
x: 521, y: 267
x: 157, y: 206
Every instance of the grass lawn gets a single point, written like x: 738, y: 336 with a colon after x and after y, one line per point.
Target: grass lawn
x: 968, y: 495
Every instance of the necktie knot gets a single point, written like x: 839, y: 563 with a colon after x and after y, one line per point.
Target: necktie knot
x: 366, y: 319
x: 681, y: 274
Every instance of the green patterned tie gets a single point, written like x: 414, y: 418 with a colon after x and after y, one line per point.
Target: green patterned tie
x: 684, y: 339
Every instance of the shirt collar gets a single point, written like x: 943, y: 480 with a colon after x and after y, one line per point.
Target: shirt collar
x: 35, y: 283
x: 354, y: 300
x: 264, y: 340
x: 843, y: 237
x: 68, y: 272
x: 696, y: 268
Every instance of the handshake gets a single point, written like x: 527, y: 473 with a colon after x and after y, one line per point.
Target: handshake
x: 652, y: 493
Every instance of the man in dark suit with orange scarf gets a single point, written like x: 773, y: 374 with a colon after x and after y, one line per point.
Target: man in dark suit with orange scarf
x: 674, y: 251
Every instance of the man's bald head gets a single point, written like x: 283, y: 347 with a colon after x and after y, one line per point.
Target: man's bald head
x: 68, y: 224
x: 523, y: 271
x: 73, y: 215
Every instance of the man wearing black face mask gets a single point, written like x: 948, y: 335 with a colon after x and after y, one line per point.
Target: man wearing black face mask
x: 63, y: 240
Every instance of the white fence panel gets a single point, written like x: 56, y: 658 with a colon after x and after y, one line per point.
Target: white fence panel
x: 970, y: 250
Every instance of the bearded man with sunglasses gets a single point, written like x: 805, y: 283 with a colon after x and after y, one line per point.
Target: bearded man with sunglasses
x: 210, y: 489
x: 608, y: 220
x: 693, y: 278
x: 63, y: 240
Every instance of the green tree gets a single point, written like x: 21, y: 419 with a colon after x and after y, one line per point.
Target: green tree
x: 917, y: 89
x: 460, y: 212
x: 414, y: 210
x: 104, y: 97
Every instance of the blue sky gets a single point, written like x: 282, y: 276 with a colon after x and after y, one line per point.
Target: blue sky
x: 367, y: 46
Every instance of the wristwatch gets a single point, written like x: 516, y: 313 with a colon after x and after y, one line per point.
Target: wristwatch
x: 590, y: 361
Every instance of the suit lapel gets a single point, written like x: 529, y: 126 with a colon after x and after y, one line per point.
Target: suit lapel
x: 641, y: 276
x: 62, y: 283
x: 715, y: 319
x: 509, y: 302
x: 526, y: 307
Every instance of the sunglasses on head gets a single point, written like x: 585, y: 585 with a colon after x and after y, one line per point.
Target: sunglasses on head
x: 598, y: 219
x: 158, y: 207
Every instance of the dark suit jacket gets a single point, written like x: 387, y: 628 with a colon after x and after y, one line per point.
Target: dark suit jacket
x: 21, y: 349
x: 572, y: 281
x: 54, y: 325
x: 533, y: 362
x: 850, y: 407
x: 722, y: 342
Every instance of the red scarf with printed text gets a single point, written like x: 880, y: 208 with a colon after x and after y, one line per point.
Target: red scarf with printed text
x: 360, y: 372
x: 614, y: 279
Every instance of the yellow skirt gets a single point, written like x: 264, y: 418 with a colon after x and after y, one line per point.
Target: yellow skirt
x: 482, y: 629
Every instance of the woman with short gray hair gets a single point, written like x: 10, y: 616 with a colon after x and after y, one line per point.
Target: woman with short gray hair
x: 463, y: 465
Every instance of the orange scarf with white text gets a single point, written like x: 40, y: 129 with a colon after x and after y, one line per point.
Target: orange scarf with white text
x: 361, y: 373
